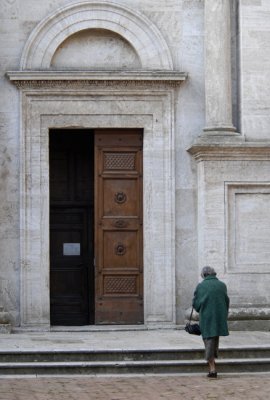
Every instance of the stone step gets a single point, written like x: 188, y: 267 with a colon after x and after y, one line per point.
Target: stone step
x: 128, y: 355
x: 245, y: 359
x: 133, y: 367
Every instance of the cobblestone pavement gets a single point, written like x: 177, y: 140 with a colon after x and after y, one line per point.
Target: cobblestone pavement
x: 147, y: 387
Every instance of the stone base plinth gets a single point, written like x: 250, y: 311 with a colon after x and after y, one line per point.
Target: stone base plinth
x: 250, y: 325
x: 5, y: 328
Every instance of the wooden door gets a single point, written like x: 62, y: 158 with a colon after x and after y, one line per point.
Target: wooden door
x: 118, y: 227
x: 71, y: 227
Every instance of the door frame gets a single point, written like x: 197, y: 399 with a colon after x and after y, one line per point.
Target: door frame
x: 79, y: 106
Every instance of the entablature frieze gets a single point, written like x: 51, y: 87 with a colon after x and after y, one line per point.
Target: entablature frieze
x: 67, y: 79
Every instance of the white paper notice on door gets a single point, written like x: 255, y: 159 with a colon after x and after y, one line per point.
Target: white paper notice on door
x: 71, y: 249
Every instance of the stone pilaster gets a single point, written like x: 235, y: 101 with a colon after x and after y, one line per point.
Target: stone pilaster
x: 218, y: 97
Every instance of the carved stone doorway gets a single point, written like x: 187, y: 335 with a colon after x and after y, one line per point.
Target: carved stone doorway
x: 79, y: 107
x: 102, y: 99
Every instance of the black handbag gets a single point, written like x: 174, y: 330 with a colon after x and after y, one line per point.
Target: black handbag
x: 193, y: 329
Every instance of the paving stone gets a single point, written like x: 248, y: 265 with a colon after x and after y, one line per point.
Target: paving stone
x: 170, y: 387
x: 126, y: 340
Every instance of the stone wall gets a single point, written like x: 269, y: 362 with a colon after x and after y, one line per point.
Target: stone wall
x: 206, y: 203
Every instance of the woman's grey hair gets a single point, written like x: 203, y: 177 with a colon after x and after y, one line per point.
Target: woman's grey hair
x: 206, y: 271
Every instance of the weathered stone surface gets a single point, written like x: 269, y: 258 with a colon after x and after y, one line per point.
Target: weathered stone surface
x: 255, y: 75
x: 214, y: 211
x: 5, y: 326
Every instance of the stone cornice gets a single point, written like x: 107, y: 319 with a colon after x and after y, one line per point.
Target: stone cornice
x: 231, y: 151
x: 27, y: 79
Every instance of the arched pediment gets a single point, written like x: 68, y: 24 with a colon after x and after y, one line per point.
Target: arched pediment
x: 133, y: 27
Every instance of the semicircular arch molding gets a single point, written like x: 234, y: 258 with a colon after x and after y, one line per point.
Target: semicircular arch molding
x: 137, y: 29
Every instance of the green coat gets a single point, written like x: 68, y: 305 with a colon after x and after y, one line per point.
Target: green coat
x: 212, y: 303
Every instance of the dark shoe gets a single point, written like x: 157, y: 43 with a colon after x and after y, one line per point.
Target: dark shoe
x: 212, y: 375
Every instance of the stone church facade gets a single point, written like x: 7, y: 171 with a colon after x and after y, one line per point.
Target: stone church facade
x: 135, y: 149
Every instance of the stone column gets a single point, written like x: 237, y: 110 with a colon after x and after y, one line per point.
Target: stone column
x: 218, y: 107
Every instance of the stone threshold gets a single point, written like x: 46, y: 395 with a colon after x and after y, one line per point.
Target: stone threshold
x: 95, y: 328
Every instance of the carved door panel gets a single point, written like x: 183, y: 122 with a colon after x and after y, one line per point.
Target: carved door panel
x: 118, y: 227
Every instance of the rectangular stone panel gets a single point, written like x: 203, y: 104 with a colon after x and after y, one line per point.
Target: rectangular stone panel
x: 248, y: 223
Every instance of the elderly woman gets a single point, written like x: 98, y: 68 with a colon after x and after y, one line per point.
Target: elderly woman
x: 212, y: 303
